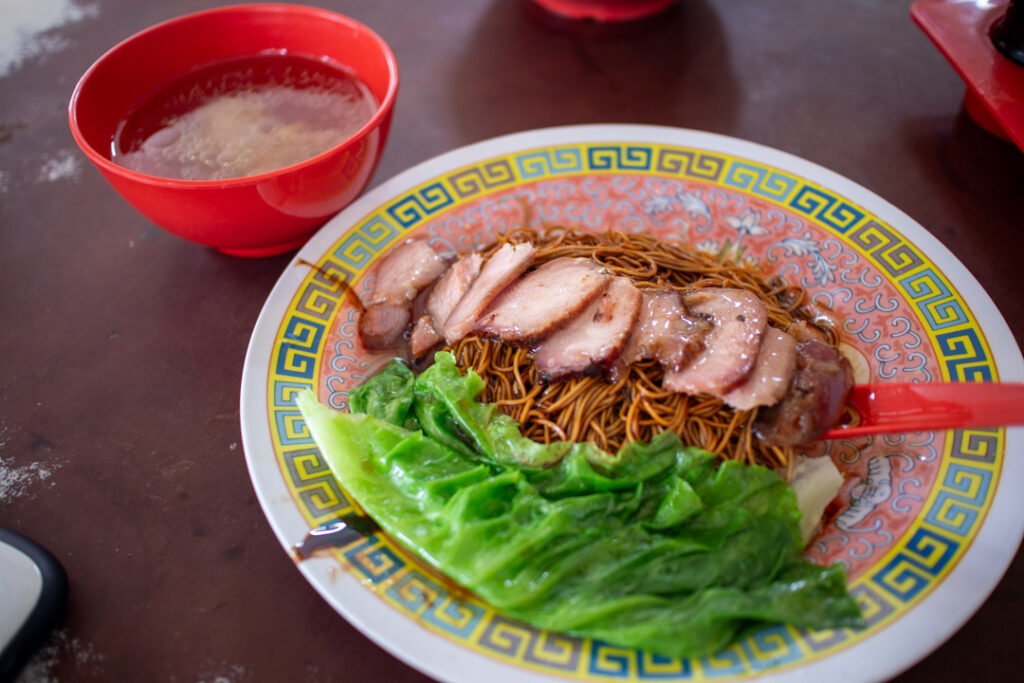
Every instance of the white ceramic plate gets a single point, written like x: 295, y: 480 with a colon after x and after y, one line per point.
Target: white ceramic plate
x: 927, y: 522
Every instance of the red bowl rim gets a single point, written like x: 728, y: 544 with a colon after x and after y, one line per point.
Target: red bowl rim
x: 383, y: 109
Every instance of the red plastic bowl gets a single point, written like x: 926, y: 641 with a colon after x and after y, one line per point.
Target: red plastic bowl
x: 258, y: 215
x: 606, y: 10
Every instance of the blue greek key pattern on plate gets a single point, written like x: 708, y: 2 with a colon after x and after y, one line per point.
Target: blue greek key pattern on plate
x: 316, y: 486
x: 321, y: 294
x: 961, y: 498
x: 414, y: 591
x: 965, y: 358
x: 359, y: 246
x: 651, y: 667
x: 611, y: 660
x: 421, y: 204
x: 688, y: 162
x: 285, y: 392
x: 888, y: 249
x: 435, y: 604
x: 292, y: 428
x: 553, y: 650
x: 471, y: 181
x: 817, y: 641
x: 374, y: 560
x: 326, y: 502
x: 505, y: 636
x: 522, y: 642
x: 771, y: 646
x: 306, y: 465
x: 923, y: 558
x: 978, y: 445
x: 873, y: 606
x: 549, y: 162
x: 761, y: 181
x: 299, y: 348
x: 939, y: 306
x: 728, y: 662
x: 619, y: 158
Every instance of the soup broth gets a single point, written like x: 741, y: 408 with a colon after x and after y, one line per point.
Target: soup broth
x: 243, y: 117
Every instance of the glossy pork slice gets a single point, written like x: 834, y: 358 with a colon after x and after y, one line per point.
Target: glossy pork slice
x: 383, y: 325
x: 804, y: 331
x: 407, y: 269
x: 665, y: 331
x: 424, y: 336
x: 738, y: 320
x: 452, y: 286
x: 814, y: 401
x: 440, y: 299
x: 418, y: 308
x: 595, y: 338
x: 821, y: 317
x: 500, y: 270
x: 770, y: 377
x: 541, y: 302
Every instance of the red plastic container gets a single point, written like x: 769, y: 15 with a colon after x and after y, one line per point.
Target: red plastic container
x: 606, y: 10
x: 257, y: 215
x: 995, y: 85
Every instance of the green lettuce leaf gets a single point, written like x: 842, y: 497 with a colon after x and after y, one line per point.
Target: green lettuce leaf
x: 388, y: 396
x: 658, y: 546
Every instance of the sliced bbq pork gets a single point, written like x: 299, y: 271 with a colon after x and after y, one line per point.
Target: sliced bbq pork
x: 500, y: 270
x: 452, y: 287
x: 593, y: 339
x: 419, y: 304
x: 814, y: 400
x: 402, y: 274
x: 804, y: 331
x: 664, y: 331
x: 770, y: 377
x: 407, y: 268
x: 442, y: 299
x: 739, y: 320
x: 543, y: 301
x: 383, y: 324
x: 424, y: 336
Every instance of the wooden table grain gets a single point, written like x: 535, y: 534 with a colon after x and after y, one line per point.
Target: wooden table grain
x: 121, y: 347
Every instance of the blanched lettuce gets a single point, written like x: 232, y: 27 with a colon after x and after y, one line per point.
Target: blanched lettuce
x: 656, y: 547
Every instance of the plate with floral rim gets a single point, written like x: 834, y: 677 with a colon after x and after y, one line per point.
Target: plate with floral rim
x: 925, y: 523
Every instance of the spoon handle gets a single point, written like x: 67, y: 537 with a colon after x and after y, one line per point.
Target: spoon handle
x: 925, y: 406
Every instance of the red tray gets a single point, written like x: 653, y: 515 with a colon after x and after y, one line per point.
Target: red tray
x: 995, y: 85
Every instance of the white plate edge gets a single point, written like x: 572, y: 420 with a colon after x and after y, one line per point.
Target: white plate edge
x: 425, y: 654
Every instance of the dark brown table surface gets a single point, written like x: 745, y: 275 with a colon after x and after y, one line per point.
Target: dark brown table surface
x: 121, y: 347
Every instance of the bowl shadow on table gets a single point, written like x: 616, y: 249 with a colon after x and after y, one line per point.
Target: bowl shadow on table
x: 530, y: 69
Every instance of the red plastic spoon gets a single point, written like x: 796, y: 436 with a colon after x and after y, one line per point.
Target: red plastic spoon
x: 918, y: 407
